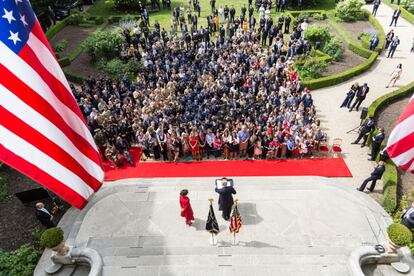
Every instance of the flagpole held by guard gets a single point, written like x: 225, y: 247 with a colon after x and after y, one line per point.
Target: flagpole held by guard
x: 212, y: 225
x: 235, y: 221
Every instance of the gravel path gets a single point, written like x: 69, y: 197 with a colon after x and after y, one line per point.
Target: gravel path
x: 337, y: 122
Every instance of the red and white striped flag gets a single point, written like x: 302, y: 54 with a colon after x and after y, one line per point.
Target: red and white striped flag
x: 42, y: 132
x: 400, y: 146
x: 235, y: 220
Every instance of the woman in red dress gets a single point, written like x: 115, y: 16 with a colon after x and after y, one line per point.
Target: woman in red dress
x: 194, y: 145
x: 186, y: 210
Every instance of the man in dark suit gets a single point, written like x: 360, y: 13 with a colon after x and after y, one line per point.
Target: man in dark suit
x: 395, y: 16
x: 44, y: 216
x: 393, y: 46
x: 376, y: 144
x: 407, y: 217
x: 365, y: 130
x: 226, y: 199
x: 377, y: 3
x: 360, y: 96
x: 375, y: 175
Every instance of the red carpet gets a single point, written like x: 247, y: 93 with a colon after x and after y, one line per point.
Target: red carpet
x: 329, y: 167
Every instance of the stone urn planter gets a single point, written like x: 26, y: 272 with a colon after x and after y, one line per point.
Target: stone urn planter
x: 53, y: 238
x: 61, y: 249
x: 398, y: 236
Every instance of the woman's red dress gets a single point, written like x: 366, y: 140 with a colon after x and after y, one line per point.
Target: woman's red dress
x: 186, y: 210
x: 195, y: 148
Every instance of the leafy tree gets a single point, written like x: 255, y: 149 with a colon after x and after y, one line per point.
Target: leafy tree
x: 350, y: 10
x: 318, y: 33
x: 311, y: 69
x: 116, y: 68
x: 333, y: 48
x: 103, y: 45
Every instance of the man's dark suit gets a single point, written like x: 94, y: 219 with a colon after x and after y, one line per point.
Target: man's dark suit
x: 364, y: 131
x: 226, y: 200
x: 44, y: 218
x: 360, y: 97
x: 395, y: 16
x: 375, y: 175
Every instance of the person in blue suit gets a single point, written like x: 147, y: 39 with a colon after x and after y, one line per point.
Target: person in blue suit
x: 225, y: 199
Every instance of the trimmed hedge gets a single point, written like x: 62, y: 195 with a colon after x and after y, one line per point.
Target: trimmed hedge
x: 56, y: 28
x: 310, y: 12
x: 73, y: 77
x: 404, y: 13
x: 390, y: 179
x: 346, y: 75
x: 399, y: 234
x: 64, y: 61
x: 52, y: 237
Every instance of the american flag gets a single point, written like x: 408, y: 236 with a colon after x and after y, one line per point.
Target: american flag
x: 235, y: 220
x: 42, y: 132
x: 400, y: 145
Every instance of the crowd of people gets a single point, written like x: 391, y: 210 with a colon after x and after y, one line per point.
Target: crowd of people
x: 198, y: 97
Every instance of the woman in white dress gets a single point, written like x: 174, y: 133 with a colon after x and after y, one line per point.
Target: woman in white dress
x: 395, y: 75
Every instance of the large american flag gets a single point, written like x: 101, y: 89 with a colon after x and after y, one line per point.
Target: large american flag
x: 42, y: 132
x: 400, y: 145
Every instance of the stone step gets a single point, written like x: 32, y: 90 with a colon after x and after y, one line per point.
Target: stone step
x: 222, y: 260
x: 216, y: 250
x: 225, y: 270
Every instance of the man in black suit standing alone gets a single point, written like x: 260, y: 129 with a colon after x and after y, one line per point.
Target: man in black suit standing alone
x: 395, y: 16
x: 360, y: 96
x: 44, y: 216
x: 226, y: 199
x: 375, y: 175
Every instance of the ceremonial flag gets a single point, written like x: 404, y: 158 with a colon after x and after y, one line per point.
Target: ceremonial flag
x: 42, y: 131
x: 400, y: 146
x: 211, y: 224
x: 235, y: 220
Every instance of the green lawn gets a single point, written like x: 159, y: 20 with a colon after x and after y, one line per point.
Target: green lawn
x: 106, y: 8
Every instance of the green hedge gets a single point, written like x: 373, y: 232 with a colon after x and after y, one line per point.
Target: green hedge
x: 360, y: 51
x: 74, y: 77
x: 390, y: 180
x: 64, y: 61
x: 346, y: 75
x: 114, y: 19
x: 404, y: 13
x: 311, y: 12
x: 56, y: 28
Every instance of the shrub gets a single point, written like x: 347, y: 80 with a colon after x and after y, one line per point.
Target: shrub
x: 60, y: 45
x: 20, y: 262
x: 399, y: 234
x: 365, y: 39
x: 350, y: 10
x: 318, y: 16
x: 303, y: 15
x: 390, y: 180
x: 76, y: 18
x: 51, y: 237
x: 333, y: 48
x: 3, y: 185
x: 116, y: 68
x: 128, y: 4
x: 103, y: 45
x: 311, y: 69
x: 409, y: 5
x: 63, y: 62
x: 318, y: 33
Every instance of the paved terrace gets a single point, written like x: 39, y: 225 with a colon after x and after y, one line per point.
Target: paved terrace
x: 291, y: 226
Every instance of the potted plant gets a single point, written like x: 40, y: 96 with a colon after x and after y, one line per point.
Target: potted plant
x: 53, y: 238
x: 398, y: 235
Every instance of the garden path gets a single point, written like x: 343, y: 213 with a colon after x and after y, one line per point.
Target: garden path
x: 338, y: 121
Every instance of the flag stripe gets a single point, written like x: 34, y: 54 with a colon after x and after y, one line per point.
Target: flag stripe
x: 26, y: 132
x: 401, y: 130
x: 45, y: 163
x: 49, y: 62
x: 404, y: 144
x: 61, y: 92
x: 43, y: 108
x: 40, y: 176
x: 407, y: 165
x: 407, y: 112
x: 38, y: 122
x: 30, y: 77
x: 38, y: 32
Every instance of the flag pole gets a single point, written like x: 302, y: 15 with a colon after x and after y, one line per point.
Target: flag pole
x: 213, y: 242
x: 234, y: 232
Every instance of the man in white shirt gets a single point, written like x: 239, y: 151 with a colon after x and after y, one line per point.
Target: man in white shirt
x: 44, y: 216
